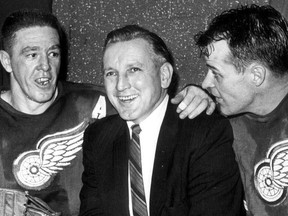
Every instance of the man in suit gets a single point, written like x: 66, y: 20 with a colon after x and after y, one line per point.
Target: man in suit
x: 170, y: 166
x: 43, y: 118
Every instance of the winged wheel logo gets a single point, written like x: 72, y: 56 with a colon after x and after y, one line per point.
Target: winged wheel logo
x: 36, y: 169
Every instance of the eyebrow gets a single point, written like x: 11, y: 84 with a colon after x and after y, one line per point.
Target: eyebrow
x: 35, y: 48
x: 211, y: 66
x: 29, y: 48
x: 138, y: 64
x: 56, y: 46
x: 106, y: 69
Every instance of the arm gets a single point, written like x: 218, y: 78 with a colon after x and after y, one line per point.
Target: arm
x: 214, y: 184
x: 194, y: 100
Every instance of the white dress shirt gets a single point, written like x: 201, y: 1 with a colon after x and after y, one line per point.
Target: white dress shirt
x: 150, y: 128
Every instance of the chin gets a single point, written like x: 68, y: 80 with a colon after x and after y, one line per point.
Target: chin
x: 228, y: 112
x: 44, y: 99
x: 127, y: 116
x: 223, y: 111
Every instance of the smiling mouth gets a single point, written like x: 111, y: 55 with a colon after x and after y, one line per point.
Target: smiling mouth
x: 43, y: 81
x: 127, y: 98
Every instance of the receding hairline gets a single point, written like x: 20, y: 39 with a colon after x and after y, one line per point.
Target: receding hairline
x: 156, y: 58
x: 16, y: 33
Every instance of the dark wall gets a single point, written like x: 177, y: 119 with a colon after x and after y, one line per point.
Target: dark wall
x: 88, y: 21
x: 280, y: 5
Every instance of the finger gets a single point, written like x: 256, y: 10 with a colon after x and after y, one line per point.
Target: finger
x: 182, y: 106
x: 199, y: 109
x: 178, y: 98
x: 211, y: 107
x: 192, y: 105
x: 187, y: 102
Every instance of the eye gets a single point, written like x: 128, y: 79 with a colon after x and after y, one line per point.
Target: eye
x: 54, y: 54
x: 135, y: 69
x: 110, y: 73
x: 31, y: 55
x: 216, y: 75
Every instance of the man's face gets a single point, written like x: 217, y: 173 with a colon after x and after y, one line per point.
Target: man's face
x: 132, y: 80
x: 35, y: 63
x: 231, y: 88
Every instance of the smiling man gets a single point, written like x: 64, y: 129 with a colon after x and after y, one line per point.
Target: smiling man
x: 33, y: 63
x: 144, y: 93
x: 146, y: 160
x: 42, y: 119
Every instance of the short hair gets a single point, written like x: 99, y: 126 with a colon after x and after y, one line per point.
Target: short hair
x: 159, y: 47
x: 254, y: 34
x: 24, y: 19
x: 131, y: 32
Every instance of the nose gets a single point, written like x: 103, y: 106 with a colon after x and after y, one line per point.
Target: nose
x: 123, y: 82
x: 44, y: 63
x: 208, y: 81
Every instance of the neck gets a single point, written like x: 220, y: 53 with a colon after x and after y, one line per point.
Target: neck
x: 26, y: 105
x: 271, y: 97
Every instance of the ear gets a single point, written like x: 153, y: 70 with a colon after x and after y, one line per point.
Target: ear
x: 258, y: 74
x: 5, y: 61
x: 166, y: 72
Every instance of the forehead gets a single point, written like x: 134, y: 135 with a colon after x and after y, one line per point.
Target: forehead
x: 136, y: 49
x: 36, y: 35
x: 218, y: 51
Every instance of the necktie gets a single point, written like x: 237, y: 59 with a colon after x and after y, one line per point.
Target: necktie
x: 136, y: 180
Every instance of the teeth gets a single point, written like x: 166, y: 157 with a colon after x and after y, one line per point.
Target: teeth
x: 126, y: 98
x: 43, y: 81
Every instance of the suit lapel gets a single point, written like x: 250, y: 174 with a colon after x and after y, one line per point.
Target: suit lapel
x: 120, y: 157
x: 163, y: 158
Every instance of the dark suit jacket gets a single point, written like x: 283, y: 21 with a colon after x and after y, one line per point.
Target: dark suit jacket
x: 194, y: 172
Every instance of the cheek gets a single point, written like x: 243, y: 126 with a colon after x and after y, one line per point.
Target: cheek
x: 56, y: 64
x: 20, y: 73
x: 110, y: 89
x: 109, y: 84
x: 23, y: 70
x: 17, y: 67
x: 152, y: 83
x: 236, y: 96
x: 227, y: 88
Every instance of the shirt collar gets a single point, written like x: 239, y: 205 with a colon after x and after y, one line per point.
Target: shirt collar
x: 154, y: 119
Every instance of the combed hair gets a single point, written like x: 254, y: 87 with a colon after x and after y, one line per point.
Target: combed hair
x: 161, y: 51
x: 24, y: 19
x: 253, y: 33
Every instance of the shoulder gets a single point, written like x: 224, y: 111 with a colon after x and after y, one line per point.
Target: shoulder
x: 108, y: 125
x: 206, y: 122
x: 104, y: 132
x: 206, y: 132
x: 217, y: 125
x: 86, y: 95
x: 201, y: 123
x: 80, y: 92
x: 68, y: 87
